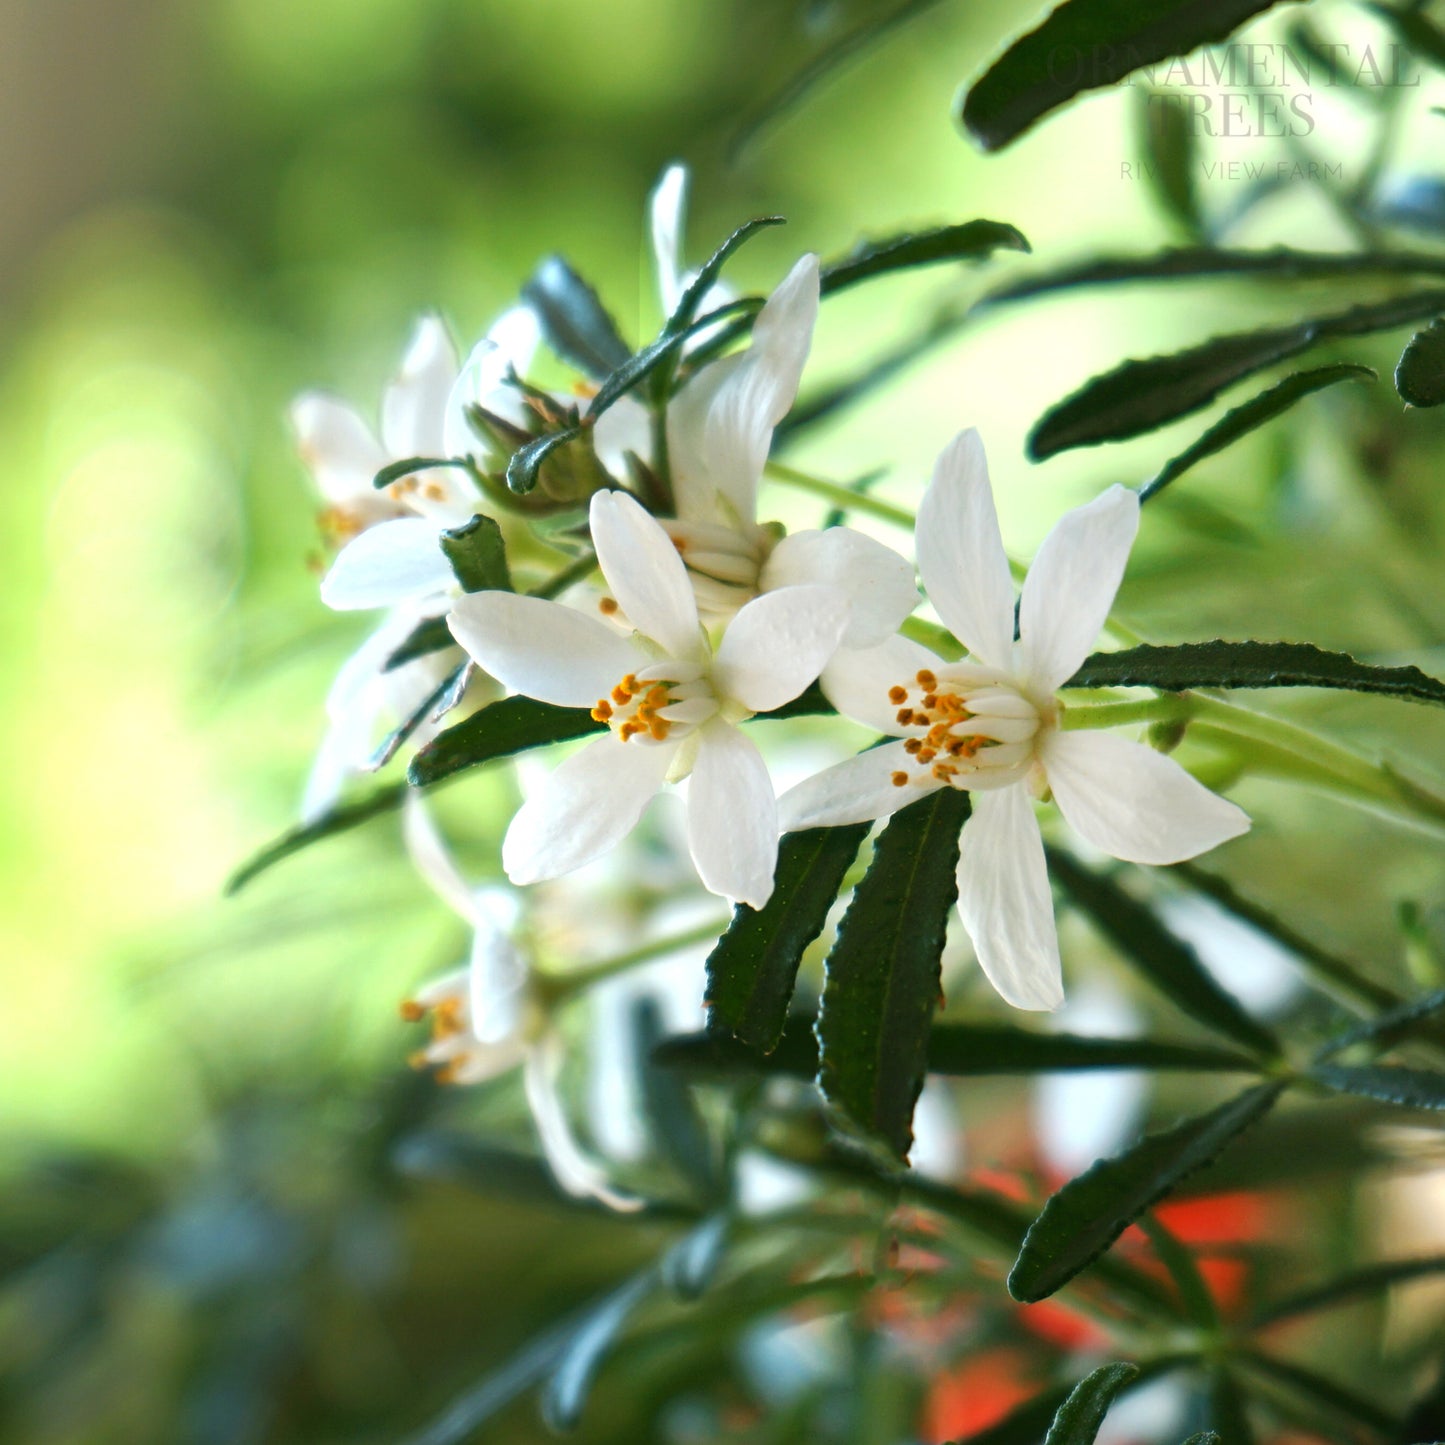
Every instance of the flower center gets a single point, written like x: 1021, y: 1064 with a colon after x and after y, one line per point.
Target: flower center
x: 452, y: 1047
x: 667, y: 700
x: 966, y: 729
x: 723, y: 562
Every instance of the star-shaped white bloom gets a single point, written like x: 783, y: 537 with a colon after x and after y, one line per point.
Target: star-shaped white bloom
x: 720, y: 429
x: 992, y: 724
x: 672, y: 704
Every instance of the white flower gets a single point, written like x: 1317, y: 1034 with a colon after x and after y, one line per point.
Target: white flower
x: 484, y: 1022
x: 672, y: 704
x: 720, y: 429
x: 992, y: 724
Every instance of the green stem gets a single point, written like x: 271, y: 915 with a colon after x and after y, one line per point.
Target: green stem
x: 1169, y: 707
x: 558, y: 984
x: 576, y: 571
x: 841, y: 496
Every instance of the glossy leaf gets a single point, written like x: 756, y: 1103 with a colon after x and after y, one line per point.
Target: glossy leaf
x: 478, y: 555
x: 1252, y: 664
x: 510, y: 725
x: 446, y: 695
x: 1089, y: 1213
x: 881, y: 981
x: 1163, y: 959
x: 526, y: 462
x: 1084, y: 45
x: 1239, y: 421
x: 339, y: 819
x: 1390, y: 1084
x: 575, y: 322
x: 1079, y: 1418
x: 752, y: 971
x: 395, y: 471
x: 566, y: 1392
x: 968, y: 241
x: 1420, y: 373
x: 1139, y: 396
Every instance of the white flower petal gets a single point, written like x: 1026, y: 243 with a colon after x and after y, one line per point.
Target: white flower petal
x: 877, y: 581
x: 575, y: 1171
x: 626, y: 426
x: 339, y: 451
x: 342, y: 754
x: 542, y: 649
x: 778, y: 644
x: 1132, y: 802
x: 759, y: 391
x: 960, y: 553
x: 857, y: 680
x: 856, y: 791
x: 431, y: 857
x: 413, y: 407
x: 645, y: 573
x: 693, y: 489
x: 386, y: 564
x: 732, y: 817
x: 591, y: 802
x: 511, y: 343
x: 1004, y: 899
x: 668, y: 208
x: 496, y: 981
x: 1071, y: 585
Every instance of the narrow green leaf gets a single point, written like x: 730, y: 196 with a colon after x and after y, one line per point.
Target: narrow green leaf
x: 1420, y: 373
x: 1192, y: 263
x: 1163, y: 959
x: 395, y: 471
x: 1089, y: 1213
x: 1227, y: 1412
x: 1080, y: 1416
x: 1418, y: 31
x: 1194, y: 1292
x: 430, y: 635
x: 1166, y: 128
x: 672, y: 1117
x: 1084, y: 45
x: 575, y: 322
x: 1252, y: 664
x: 436, y: 704
x: 1388, y: 1028
x: 1320, y: 1391
x: 1139, y: 396
x: 566, y: 1392
x: 526, y: 462
x: 510, y: 725
x: 752, y: 971
x: 1410, y: 1088
x: 967, y: 241
x: 1253, y: 414
x: 720, y: 1056
x: 967, y: 1050
x: 339, y: 819
x: 881, y: 981
x: 690, y: 1266
x: 1350, y: 1286
x: 478, y: 555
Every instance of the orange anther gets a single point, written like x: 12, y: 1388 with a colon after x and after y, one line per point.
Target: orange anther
x: 913, y: 745
x: 411, y: 1011
x: 607, y: 606
x: 897, y: 694
x: 927, y: 681
x: 898, y: 779
x: 905, y: 716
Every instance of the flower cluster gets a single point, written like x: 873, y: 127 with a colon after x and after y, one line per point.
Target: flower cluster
x: 709, y: 617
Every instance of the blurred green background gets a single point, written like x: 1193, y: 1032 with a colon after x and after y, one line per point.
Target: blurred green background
x: 207, y: 208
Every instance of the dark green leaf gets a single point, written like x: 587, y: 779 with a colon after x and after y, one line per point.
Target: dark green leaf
x: 1420, y: 373
x: 1185, y: 263
x: 824, y: 64
x: 1252, y: 664
x: 1227, y: 1411
x: 395, y: 471
x: 1253, y: 414
x: 981, y: 1049
x: 575, y: 323
x: 751, y: 972
x: 339, y: 819
x: 1163, y: 959
x: 1418, y: 31
x: 968, y: 241
x: 1166, y: 127
x: 1388, y: 1028
x: 1410, y: 1088
x: 683, y: 318
x: 1086, y: 44
x: 478, y: 555
x: 1089, y: 1213
x: 1335, y: 1399
x: 1080, y: 1416
x: 566, y: 1392
x: 672, y: 1117
x: 1139, y: 396
x: 1194, y: 1293
x: 436, y: 704
x: 1345, y: 1287
x: 716, y: 1055
x: 526, y: 461
x: 430, y: 635
x: 881, y: 982
x: 511, y: 725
